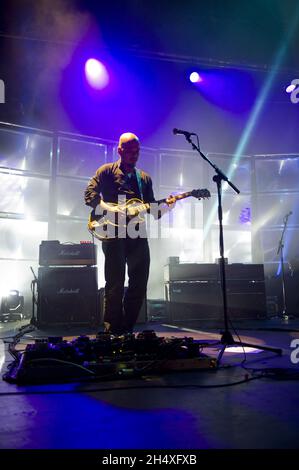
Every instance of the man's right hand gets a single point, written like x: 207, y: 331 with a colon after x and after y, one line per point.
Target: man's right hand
x: 109, y: 207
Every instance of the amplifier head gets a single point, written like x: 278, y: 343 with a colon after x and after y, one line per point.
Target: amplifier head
x: 54, y: 253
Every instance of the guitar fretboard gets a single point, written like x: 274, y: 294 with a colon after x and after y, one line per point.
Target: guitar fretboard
x: 177, y: 197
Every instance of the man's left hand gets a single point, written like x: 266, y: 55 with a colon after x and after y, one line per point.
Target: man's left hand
x: 170, y: 201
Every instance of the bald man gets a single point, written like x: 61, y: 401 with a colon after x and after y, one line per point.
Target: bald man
x: 111, y: 181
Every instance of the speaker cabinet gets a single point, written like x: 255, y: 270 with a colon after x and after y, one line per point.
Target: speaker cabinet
x: 202, y: 300
x: 67, y: 296
x: 210, y: 272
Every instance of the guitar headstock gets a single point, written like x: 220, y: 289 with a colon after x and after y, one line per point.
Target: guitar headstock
x: 201, y: 193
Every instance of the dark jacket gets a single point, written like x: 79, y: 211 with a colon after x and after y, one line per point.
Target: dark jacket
x: 110, y: 182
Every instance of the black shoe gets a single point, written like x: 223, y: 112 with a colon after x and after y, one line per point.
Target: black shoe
x: 112, y: 331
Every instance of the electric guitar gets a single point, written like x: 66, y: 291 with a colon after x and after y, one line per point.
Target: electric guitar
x: 119, y: 215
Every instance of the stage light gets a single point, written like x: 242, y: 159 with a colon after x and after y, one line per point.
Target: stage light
x: 12, y: 306
x: 12, y: 277
x: 195, y: 77
x: 96, y: 74
x: 4, y: 292
x: 290, y: 88
x: 245, y: 216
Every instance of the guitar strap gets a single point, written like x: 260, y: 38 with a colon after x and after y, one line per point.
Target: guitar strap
x: 139, y: 181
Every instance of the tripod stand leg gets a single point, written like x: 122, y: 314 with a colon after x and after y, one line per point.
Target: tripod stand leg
x: 221, y: 354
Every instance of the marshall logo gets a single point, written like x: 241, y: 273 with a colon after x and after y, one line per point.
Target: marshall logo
x: 64, y: 291
x: 69, y: 253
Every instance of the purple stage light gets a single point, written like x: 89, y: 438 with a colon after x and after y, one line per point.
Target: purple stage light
x: 96, y: 74
x: 230, y: 89
x: 195, y: 77
x: 245, y: 216
x: 290, y: 88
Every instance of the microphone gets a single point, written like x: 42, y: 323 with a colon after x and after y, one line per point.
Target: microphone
x: 180, y: 132
x: 287, y: 215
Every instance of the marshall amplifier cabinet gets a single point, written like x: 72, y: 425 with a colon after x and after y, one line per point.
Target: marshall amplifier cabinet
x: 202, y: 300
x: 193, y: 300
x: 54, y: 253
x: 193, y: 292
x: 67, y: 296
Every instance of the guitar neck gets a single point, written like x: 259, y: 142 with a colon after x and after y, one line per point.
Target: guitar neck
x: 177, y: 197
x: 147, y: 205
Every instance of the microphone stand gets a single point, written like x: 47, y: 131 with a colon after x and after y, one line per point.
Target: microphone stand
x: 284, y: 315
x: 226, y: 338
x: 34, y: 284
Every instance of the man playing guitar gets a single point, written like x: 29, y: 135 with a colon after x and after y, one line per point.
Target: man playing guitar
x: 113, y: 181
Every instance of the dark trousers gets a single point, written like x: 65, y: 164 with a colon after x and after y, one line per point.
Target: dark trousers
x: 120, y: 310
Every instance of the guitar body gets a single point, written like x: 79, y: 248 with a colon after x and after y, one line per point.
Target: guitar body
x: 103, y: 223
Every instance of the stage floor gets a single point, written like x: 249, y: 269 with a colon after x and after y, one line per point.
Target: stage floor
x: 201, y: 409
